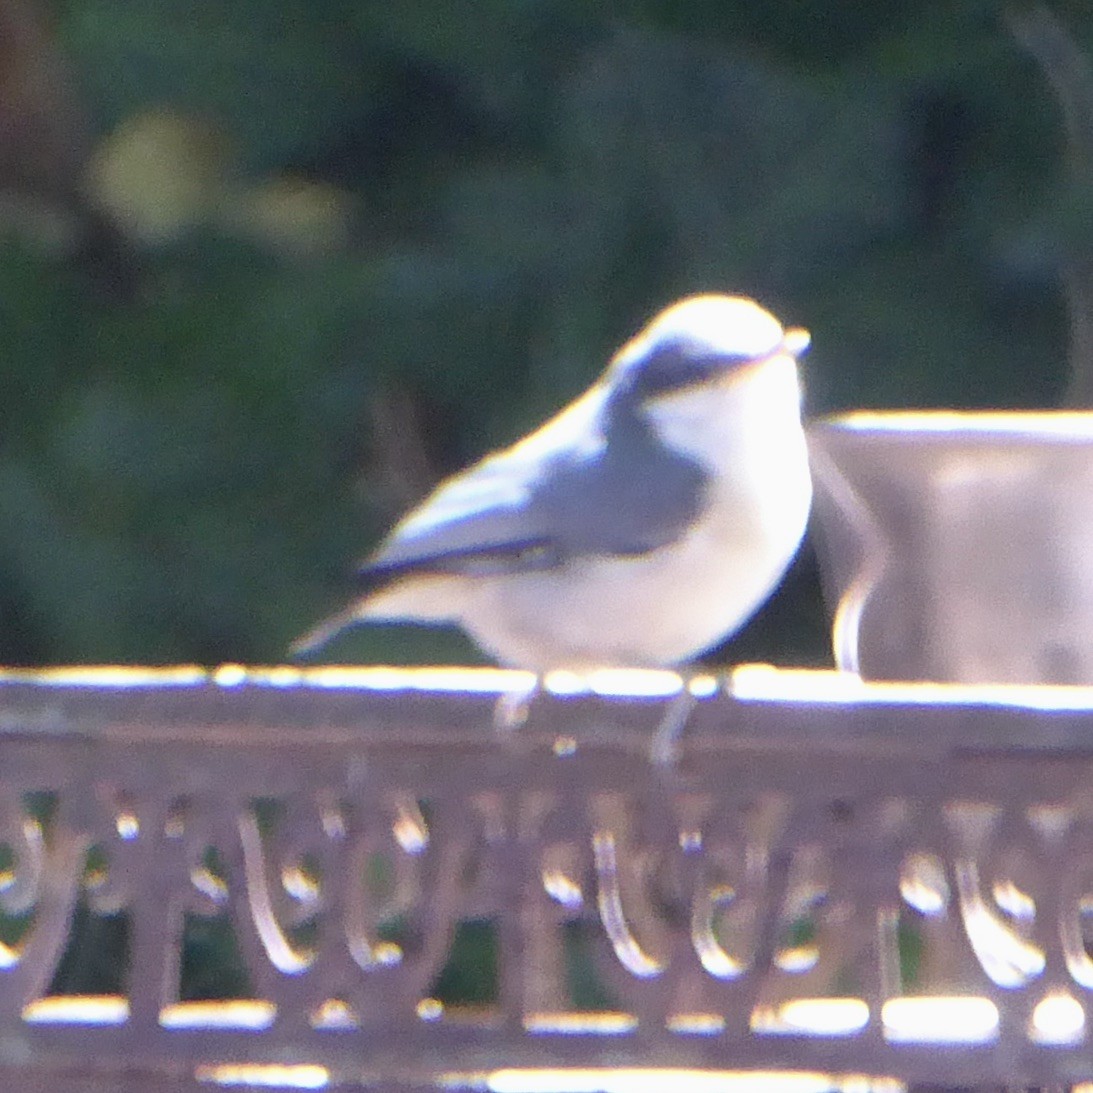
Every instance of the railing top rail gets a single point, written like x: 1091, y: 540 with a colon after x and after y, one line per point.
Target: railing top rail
x: 798, y: 707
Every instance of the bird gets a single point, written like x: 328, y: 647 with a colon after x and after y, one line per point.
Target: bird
x: 639, y: 527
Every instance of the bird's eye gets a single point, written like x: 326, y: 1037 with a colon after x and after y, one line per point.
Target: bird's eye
x: 680, y: 365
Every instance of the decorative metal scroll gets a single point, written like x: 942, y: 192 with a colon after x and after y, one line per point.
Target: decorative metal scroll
x: 843, y: 880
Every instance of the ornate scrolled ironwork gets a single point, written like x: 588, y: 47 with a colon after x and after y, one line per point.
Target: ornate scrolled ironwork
x: 831, y: 877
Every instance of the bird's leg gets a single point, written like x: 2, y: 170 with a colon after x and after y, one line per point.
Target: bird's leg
x: 512, y: 707
x: 664, y: 746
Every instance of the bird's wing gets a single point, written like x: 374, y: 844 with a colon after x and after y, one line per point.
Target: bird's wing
x: 483, y: 519
x: 474, y: 523
x: 565, y: 491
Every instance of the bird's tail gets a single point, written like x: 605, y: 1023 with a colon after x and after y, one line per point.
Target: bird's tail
x: 315, y: 638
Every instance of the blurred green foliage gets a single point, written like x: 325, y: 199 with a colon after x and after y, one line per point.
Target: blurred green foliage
x: 189, y: 467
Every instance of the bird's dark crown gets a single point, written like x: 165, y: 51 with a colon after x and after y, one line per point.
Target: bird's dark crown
x: 676, y: 364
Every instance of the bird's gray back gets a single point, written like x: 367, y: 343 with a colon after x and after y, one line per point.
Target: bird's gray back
x: 630, y: 496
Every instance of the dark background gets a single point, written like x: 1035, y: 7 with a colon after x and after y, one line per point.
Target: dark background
x: 269, y: 268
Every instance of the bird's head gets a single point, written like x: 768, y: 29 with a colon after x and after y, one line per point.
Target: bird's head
x: 701, y: 342
x: 710, y: 374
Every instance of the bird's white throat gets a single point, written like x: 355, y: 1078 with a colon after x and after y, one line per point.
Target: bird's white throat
x: 749, y: 417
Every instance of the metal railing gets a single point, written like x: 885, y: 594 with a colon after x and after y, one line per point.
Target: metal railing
x: 832, y: 877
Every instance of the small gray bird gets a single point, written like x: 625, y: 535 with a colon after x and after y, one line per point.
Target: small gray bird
x: 639, y: 527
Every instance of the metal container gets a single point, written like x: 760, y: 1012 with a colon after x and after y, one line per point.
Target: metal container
x: 958, y: 546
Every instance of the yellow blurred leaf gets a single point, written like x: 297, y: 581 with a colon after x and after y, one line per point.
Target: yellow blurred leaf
x: 160, y: 173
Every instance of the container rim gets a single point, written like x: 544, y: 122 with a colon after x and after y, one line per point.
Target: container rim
x: 1048, y: 424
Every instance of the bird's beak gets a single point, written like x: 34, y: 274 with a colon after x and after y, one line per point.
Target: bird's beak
x: 795, y: 341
